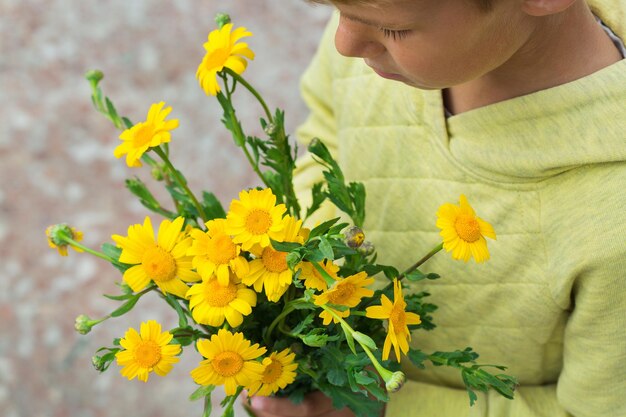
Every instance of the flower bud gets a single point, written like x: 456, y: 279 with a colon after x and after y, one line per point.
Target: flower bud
x: 222, y: 19
x: 98, y: 363
x: 83, y: 324
x: 157, y: 173
x: 366, y: 248
x: 270, y: 129
x: 396, y: 382
x: 94, y: 76
x: 58, y: 235
x: 354, y: 237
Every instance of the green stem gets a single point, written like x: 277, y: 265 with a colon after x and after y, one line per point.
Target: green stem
x: 252, y: 90
x: 228, y: 410
x: 382, y: 371
x: 421, y: 261
x: 180, y: 181
x: 240, y: 137
x: 289, y: 307
x: 101, y: 255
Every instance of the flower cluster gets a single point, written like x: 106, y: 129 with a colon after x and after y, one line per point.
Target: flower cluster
x: 271, y: 306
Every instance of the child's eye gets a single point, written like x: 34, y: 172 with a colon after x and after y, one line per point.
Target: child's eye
x: 394, y: 34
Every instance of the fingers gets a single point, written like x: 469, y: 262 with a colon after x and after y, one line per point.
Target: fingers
x: 315, y: 404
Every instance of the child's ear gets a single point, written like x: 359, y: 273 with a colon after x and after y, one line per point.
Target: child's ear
x: 545, y: 7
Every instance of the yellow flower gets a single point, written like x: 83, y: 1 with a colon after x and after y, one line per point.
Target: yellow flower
x: 346, y: 292
x: 55, y: 235
x: 214, y: 252
x: 222, y: 50
x: 269, y: 272
x: 144, y: 135
x: 163, y: 260
x: 463, y: 232
x: 230, y: 361
x: 279, y: 371
x: 255, y: 219
x: 211, y: 302
x: 147, y: 351
x: 398, y: 333
x: 311, y: 276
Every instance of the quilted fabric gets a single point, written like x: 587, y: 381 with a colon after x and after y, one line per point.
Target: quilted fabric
x: 548, y: 170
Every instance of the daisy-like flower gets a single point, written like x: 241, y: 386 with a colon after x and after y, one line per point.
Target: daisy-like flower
x: 163, y: 260
x: 346, y: 292
x: 214, y: 252
x: 55, y: 236
x: 223, y: 50
x: 230, y: 361
x: 146, y: 351
x: 270, y: 272
x: 255, y: 219
x: 463, y: 232
x: 279, y: 371
x: 145, y: 135
x: 312, y: 277
x: 398, y: 333
x: 211, y: 302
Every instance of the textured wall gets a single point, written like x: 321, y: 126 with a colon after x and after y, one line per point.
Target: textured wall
x: 56, y: 165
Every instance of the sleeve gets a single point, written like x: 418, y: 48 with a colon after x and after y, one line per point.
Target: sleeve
x: 317, y: 91
x: 593, y: 379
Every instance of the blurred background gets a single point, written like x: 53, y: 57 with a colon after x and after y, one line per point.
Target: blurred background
x: 57, y: 165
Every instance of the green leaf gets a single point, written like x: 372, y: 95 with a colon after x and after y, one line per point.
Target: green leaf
x: 364, y: 339
x: 111, y: 251
x: 118, y: 297
x: 322, y: 228
x: 303, y: 324
x: 317, y: 197
x: 126, y: 307
x: 316, y: 338
x: 285, y: 246
x: 212, y: 207
x: 201, y: 392
x: 326, y: 249
x: 361, y: 405
x: 337, y: 376
x: 417, y: 357
x: 173, y: 302
x: 349, y: 338
x: 415, y: 276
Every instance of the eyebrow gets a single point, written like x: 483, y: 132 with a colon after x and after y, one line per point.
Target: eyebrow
x: 360, y: 20
x: 366, y: 21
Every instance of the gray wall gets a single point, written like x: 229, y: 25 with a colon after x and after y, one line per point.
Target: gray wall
x: 56, y: 165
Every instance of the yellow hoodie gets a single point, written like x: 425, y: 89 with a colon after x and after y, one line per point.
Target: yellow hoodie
x: 548, y: 170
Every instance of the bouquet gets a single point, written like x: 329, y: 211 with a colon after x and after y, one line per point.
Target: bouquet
x: 268, y: 305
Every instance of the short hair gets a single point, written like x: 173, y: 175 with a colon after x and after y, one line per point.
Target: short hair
x: 484, y: 5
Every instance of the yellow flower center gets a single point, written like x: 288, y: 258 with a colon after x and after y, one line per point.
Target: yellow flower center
x: 143, y: 134
x: 397, y: 318
x: 227, y: 363
x: 221, y: 249
x: 147, y: 354
x: 272, y: 372
x: 218, y: 296
x: 341, y: 293
x: 159, y: 264
x: 258, y: 222
x: 467, y: 228
x: 274, y: 261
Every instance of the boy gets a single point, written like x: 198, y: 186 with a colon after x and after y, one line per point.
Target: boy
x: 521, y: 106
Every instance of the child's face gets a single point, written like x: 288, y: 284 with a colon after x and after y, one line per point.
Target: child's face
x: 433, y: 44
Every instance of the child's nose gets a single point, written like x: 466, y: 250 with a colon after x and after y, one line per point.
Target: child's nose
x: 357, y: 40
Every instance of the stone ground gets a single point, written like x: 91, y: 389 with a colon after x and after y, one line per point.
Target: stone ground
x: 56, y: 165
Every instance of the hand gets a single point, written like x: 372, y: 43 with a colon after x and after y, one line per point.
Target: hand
x: 315, y: 404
